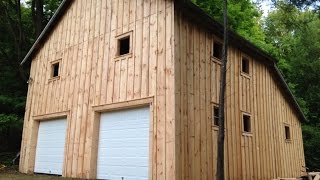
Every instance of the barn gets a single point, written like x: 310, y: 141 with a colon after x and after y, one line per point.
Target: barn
x: 128, y: 89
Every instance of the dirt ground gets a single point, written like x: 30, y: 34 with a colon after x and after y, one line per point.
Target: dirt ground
x: 13, y: 174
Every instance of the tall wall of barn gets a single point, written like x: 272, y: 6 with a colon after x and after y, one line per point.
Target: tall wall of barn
x: 262, y: 154
x: 85, y: 41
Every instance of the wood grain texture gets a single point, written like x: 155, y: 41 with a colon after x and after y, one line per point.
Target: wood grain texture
x: 85, y: 39
x: 170, y: 62
x: 261, y: 154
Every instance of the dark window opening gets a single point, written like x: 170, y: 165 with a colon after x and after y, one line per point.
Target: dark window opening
x: 55, y: 70
x: 245, y: 65
x: 287, y: 131
x: 124, y: 45
x: 217, y: 50
x: 246, y: 123
x: 216, y: 116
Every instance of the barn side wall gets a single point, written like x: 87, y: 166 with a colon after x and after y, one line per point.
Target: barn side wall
x: 262, y: 154
x: 85, y: 41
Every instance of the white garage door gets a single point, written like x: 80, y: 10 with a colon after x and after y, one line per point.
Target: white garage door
x: 50, y: 147
x: 123, y: 152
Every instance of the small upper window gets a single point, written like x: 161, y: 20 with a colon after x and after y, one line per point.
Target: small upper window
x: 55, y: 69
x: 287, y: 132
x: 246, y: 123
x: 124, y: 45
x: 216, y: 115
x: 245, y: 65
x: 217, y: 50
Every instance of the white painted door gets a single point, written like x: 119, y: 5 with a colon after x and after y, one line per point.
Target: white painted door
x: 123, y: 151
x: 50, y: 147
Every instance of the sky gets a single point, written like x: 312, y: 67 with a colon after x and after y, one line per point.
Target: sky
x: 266, y: 6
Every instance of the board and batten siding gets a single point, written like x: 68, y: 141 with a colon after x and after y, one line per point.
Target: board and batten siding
x: 84, y: 40
x: 262, y: 154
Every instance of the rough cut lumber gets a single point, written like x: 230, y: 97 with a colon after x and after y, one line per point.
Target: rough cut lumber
x: 171, y: 69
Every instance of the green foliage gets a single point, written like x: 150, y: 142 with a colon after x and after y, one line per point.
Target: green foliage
x: 16, y: 37
x: 295, y: 34
x: 243, y: 16
x: 6, y: 158
x: 49, y: 8
x: 14, y: 105
x: 9, y: 121
x: 311, y: 136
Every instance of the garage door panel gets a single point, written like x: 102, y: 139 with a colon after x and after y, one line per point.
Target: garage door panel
x: 124, y: 125
x: 52, y: 134
x: 124, y: 145
x: 124, y: 153
x: 126, y: 162
x: 50, y: 159
x: 50, y: 147
x: 125, y: 133
x: 48, y: 143
x: 128, y: 142
x: 128, y: 177
x: 131, y: 171
x: 50, y: 152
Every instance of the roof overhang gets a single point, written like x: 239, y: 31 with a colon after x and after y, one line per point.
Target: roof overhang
x: 47, y: 30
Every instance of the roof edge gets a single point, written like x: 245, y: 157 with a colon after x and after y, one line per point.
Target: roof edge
x: 240, y: 42
x: 293, y: 98
x: 59, y: 12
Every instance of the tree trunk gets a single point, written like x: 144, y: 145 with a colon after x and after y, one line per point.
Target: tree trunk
x: 37, y: 16
x: 220, y: 151
x: 12, y: 13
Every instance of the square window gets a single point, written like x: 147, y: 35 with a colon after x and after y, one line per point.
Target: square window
x: 217, y: 50
x: 55, y: 69
x: 287, y: 132
x: 246, y: 123
x: 245, y: 65
x: 124, y: 45
x: 216, y: 116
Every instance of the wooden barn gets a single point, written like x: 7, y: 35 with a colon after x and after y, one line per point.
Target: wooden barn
x: 128, y: 89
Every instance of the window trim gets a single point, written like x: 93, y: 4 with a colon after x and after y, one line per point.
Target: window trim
x: 286, y: 125
x: 216, y: 59
x: 244, y: 74
x: 213, y: 115
x: 247, y: 133
x: 52, y: 63
x: 117, y: 42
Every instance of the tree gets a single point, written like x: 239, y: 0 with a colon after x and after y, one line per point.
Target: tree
x: 42, y: 11
x: 17, y: 33
x: 243, y: 16
x: 220, y: 148
x: 37, y: 16
x: 295, y: 34
x: 314, y: 4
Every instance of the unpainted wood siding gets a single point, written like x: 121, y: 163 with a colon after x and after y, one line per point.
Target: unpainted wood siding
x: 85, y: 41
x: 262, y: 154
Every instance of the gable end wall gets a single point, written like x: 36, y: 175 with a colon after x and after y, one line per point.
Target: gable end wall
x: 262, y: 154
x: 90, y: 76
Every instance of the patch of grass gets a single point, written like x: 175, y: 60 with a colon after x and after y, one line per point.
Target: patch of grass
x: 8, y: 171
x: 19, y: 176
